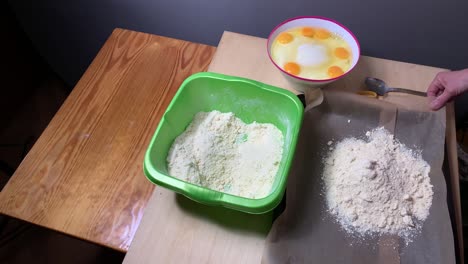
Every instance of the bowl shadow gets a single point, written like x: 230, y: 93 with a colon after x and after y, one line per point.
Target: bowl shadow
x: 226, y: 218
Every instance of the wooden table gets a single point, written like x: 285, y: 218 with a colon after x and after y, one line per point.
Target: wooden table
x: 175, y: 229
x: 84, y: 175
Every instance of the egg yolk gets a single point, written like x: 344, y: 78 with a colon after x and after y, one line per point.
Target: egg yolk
x: 307, y: 32
x: 285, y: 38
x: 322, y: 33
x: 292, y: 68
x: 335, y: 71
x: 341, y: 53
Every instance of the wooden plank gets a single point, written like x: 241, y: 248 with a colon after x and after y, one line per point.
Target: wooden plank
x: 84, y: 175
x: 175, y: 229
x: 454, y: 181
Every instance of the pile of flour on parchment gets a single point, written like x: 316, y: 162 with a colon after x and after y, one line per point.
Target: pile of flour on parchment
x: 220, y: 152
x: 377, y: 185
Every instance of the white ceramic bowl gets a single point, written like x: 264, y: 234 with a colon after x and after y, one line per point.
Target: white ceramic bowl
x: 302, y: 84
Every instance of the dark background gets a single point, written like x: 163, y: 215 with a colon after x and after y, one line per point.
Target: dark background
x: 68, y: 34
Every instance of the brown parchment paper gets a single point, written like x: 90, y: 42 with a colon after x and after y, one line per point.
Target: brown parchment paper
x: 306, y: 233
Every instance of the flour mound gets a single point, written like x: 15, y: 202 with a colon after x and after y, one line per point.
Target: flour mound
x: 222, y: 153
x: 377, y: 185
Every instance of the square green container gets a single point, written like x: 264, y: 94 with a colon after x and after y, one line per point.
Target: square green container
x: 250, y: 101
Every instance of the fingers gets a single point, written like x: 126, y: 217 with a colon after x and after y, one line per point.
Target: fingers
x: 445, y: 86
x: 435, y: 88
x: 437, y: 93
x: 440, y: 101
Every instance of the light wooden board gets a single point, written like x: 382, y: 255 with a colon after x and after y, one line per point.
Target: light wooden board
x: 176, y: 230
x: 84, y: 175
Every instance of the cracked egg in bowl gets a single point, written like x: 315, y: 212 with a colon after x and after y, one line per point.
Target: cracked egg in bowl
x: 312, y: 51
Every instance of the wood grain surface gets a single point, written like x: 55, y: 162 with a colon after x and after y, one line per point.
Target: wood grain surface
x: 84, y: 175
x: 177, y: 230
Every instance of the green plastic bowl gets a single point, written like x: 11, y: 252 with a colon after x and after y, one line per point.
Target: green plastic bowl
x: 250, y: 101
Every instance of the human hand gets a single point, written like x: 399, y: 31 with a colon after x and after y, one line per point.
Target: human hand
x: 446, y: 86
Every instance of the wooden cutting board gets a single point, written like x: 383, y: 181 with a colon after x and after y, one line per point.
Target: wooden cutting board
x: 175, y: 229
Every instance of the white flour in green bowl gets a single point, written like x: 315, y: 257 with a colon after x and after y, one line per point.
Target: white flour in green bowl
x: 220, y: 152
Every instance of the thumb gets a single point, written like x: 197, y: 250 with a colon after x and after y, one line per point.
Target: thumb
x: 441, y: 100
